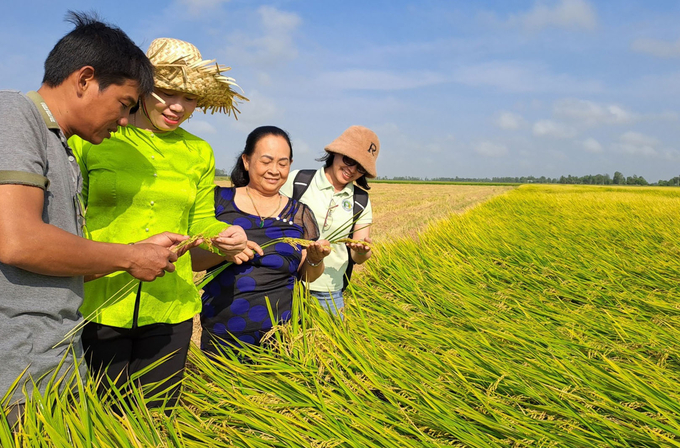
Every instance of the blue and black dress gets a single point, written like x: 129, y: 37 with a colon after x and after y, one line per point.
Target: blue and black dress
x: 235, y: 302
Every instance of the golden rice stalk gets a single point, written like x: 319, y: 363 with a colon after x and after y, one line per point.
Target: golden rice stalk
x: 351, y: 241
x: 189, y: 241
x: 208, y: 243
x: 208, y: 237
x: 297, y: 242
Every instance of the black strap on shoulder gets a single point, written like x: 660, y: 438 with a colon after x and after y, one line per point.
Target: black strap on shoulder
x: 301, y: 182
x: 360, y: 203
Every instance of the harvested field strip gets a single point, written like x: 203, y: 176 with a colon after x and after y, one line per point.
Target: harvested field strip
x: 401, y: 210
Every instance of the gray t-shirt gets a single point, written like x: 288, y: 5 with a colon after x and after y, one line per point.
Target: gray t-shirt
x: 37, y: 311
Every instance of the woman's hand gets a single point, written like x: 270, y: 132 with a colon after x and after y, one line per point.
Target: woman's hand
x: 317, y: 251
x: 231, y: 241
x: 360, y: 252
x: 360, y: 249
x: 312, y: 266
x: 247, y: 254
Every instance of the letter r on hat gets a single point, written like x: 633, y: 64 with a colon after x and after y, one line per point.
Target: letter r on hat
x: 372, y: 149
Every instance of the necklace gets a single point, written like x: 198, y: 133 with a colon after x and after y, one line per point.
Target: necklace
x: 146, y: 115
x: 262, y: 217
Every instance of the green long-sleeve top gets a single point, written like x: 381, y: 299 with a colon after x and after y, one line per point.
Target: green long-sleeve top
x: 137, y: 184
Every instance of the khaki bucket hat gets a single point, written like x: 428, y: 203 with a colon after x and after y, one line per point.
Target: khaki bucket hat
x: 180, y: 67
x: 359, y: 143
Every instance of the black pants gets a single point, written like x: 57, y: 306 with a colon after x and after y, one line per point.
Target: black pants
x: 120, y: 352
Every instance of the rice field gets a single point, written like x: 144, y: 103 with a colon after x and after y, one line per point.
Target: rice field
x: 545, y: 317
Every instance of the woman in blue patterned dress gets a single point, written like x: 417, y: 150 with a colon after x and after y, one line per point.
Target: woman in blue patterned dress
x: 236, y: 303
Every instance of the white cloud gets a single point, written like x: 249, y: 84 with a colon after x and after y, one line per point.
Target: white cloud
x: 490, y: 149
x: 258, y: 111
x: 570, y: 14
x: 589, y: 113
x: 671, y: 154
x: 196, y: 6
x: 407, y: 49
x: 523, y: 77
x: 300, y: 147
x: 435, y: 157
x: 635, y: 143
x: 274, y: 46
x: 661, y: 85
x: 202, y: 3
x: 199, y: 127
x: 509, y: 121
x: 444, y: 145
x: 264, y: 79
x: 668, y: 115
x: 592, y: 145
x: 536, y: 104
x: 549, y: 128
x: 636, y: 138
x: 584, y: 113
x: 377, y: 80
x: 558, y: 155
x: 278, y: 22
x: 658, y: 48
x: 433, y: 148
x: 279, y: 26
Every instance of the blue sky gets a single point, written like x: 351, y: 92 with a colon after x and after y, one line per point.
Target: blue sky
x: 452, y: 88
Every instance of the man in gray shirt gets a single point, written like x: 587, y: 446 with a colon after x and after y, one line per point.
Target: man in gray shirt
x: 93, y: 76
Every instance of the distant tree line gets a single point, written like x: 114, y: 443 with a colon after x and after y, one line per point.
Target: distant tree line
x: 674, y: 182
x: 589, y: 179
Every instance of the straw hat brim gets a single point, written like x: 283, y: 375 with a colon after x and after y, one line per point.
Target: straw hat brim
x: 179, y: 67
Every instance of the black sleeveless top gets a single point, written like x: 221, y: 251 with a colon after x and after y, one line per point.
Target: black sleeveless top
x: 235, y: 302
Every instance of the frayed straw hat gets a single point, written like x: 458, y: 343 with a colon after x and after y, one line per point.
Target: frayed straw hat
x: 180, y: 67
x: 359, y: 143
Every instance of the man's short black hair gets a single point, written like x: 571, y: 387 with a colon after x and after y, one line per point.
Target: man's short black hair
x: 113, y: 55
